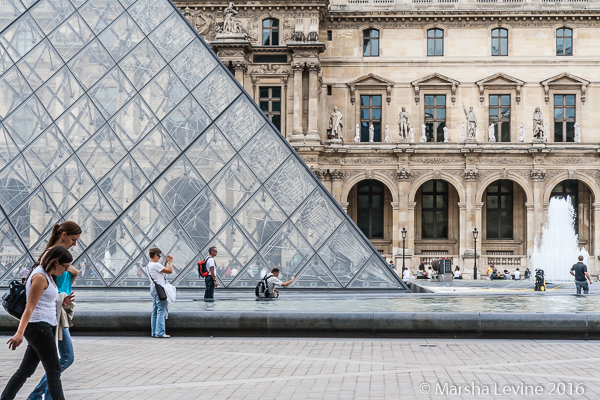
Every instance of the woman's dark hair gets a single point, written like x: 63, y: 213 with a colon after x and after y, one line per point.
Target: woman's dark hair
x: 59, y: 254
x: 68, y: 227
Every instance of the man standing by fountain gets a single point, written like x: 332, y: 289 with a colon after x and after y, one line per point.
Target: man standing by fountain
x: 580, y: 272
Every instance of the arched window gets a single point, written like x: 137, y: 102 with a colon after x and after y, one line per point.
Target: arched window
x: 564, y: 42
x: 435, y: 42
x: 500, y: 42
x: 499, y: 210
x: 371, y: 43
x: 434, y: 209
x: 370, y: 208
x: 569, y: 188
x: 270, y: 32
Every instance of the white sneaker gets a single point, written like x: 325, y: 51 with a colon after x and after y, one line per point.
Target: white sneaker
x: 164, y: 336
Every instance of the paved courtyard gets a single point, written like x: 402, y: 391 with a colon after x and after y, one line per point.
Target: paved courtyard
x: 259, y: 368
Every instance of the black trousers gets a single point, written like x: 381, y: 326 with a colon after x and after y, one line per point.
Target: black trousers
x: 40, y: 347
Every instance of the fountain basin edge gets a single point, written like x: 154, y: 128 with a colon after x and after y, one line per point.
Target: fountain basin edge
x: 564, y: 326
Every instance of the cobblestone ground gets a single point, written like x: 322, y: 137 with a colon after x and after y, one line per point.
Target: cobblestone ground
x: 262, y: 368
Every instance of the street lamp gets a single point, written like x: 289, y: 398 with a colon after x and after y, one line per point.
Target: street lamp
x: 403, y: 239
x: 475, y: 233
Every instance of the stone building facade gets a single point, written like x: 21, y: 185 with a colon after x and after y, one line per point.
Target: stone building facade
x: 435, y: 59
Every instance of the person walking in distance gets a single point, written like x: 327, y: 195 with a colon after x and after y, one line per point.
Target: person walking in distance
x: 580, y: 272
x: 38, y: 324
x: 66, y: 234
x: 156, y: 273
x: 210, y: 281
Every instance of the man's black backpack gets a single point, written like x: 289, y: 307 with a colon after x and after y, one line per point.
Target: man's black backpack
x: 262, y: 288
x: 15, y: 299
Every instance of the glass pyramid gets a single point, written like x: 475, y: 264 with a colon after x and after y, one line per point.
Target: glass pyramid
x: 115, y: 114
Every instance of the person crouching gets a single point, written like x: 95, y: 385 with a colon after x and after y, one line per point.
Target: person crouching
x: 273, y: 282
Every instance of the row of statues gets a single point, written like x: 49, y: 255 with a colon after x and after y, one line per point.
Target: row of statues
x: 468, y: 129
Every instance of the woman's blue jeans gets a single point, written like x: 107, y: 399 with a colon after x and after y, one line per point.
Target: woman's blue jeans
x: 159, y: 314
x: 67, y: 356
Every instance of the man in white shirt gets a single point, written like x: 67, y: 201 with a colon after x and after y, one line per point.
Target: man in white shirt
x: 406, y: 274
x: 210, y: 281
x: 156, y: 273
x: 517, y: 274
x: 273, y: 280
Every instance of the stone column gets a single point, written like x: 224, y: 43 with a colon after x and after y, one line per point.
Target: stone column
x: 596, y: 238
x: 530, y: 235
x: 538, y: 176
x: 410, y: 235
x: 240, y: 69
x: 470, y: 221
x: 396, y: 236
x: 297, y: 134
x: 402, y: 218
x: 336, y: 184
x: 462, y: 217
x: 313, y: 104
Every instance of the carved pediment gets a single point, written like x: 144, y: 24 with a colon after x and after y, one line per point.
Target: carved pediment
x: 565, y: 81
x: 371, y: 81
x: 435, y: 81
x: 500, y: 81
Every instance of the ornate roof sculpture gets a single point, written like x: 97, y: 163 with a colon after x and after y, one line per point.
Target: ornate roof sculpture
x: 116, y: 114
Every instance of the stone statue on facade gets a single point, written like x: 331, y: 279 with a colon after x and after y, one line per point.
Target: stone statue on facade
x: 412, y: 135
x: 387, y: 133
x: 357, y: 134
x: 577, y: 138
x: 471, y: 123
x: 446, y: 136
x: 423, y: 135
x: 522, y: 133
x: 463, y: 132
x: 229, y: 24
x: 404, y: 124
x: 371, y: 132
x: 336, y: 124
x: 491, y: 134
x: 538, y: 124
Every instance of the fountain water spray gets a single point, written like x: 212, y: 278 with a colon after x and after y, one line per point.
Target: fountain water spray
x: 558, y: 248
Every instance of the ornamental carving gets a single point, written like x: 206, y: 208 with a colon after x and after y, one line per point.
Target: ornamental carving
x: 414, y: 175
x: 537, y: 174
x: 505, y: 160
x: 573, y: 160
x: 594, y: 173
x: 436, y: 160
x: 402, y: 174
x: 347, y: 174
x: 310, y: 159
x: 331, y: 161
x: 481, y: 175
x: 367, y: 161
x: 471, y: 175
x: 319, y: 173
x: 524, y: 173
x: 336, y: 174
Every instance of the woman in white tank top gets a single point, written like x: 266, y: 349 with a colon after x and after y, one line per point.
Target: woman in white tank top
x: 38, y: 323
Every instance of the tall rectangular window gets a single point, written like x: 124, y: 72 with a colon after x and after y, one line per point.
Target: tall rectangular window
x: 435, y: 42
x: 564, y: 42
x: 434, y: 210
x: 270, y: 32
x: 499, y: 210
x: 564, y: 117
x: 370, y: 113
x: 370, y: 208
x: 500, y: 116
x: 270, y: 103
x: 370, y: 43
x: 500, y: 42
x: 435, y: 117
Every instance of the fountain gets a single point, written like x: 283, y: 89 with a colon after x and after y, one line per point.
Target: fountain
x: 557, y: 249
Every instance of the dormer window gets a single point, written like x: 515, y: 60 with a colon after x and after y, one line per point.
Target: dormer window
x: 270, y: 32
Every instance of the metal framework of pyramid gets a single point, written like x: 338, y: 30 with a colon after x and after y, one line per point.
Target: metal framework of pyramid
x: 115, y: 114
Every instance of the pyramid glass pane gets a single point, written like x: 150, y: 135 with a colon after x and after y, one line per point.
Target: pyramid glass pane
x: 115, y: 114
